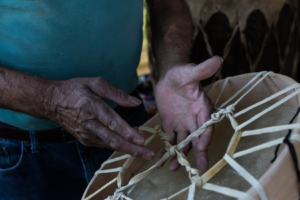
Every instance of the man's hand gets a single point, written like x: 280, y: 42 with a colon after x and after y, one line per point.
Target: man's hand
x: 184, y: 107
x: 77, y: 106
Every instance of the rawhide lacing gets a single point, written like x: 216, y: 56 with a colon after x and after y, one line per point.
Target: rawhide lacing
x: 198, y: 181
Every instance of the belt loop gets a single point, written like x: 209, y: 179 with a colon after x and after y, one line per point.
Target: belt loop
x: 34, y: 142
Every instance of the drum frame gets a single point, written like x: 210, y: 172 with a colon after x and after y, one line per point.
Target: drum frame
x: 279, y: 181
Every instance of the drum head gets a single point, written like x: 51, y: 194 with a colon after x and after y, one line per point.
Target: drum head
x: 163, y: 182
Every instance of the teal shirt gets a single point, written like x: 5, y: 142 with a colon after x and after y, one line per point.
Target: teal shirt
x: 60, y: 39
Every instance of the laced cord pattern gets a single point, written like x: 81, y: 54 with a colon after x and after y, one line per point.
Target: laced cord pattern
x: 198, y: 181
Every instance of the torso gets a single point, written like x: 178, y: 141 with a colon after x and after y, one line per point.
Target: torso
x: 61, y: 39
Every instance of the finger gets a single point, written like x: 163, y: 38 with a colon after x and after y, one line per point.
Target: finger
x: 104, y: 89
x: 201, y: 145
x: 161, y: 154
x: 205, y: 139
x: 181, y: 135
x: 173, y: 138
x: 116, y: 142
x: 168, y: 128
x: 86, y: 139
x: 100, y: 144
x: 115, y: 123
x: 206, y: 69
x: 201, y: 158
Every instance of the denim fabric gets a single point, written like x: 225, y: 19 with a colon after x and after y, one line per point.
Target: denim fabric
x: 51, y: 170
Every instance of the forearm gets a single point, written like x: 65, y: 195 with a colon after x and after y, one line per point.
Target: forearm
x: 24, y: 92
x: 172, y: 30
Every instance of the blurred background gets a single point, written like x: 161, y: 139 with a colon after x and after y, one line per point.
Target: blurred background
x: 145, y: 87
x: 249, y: 36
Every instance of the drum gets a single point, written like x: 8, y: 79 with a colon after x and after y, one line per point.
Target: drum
x: 251, y: 36
x: 253, y: 114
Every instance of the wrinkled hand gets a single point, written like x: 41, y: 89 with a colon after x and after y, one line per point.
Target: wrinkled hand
x: 184, y: 107
x: 77, y: 106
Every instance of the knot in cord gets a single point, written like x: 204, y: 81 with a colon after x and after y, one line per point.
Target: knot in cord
x: 157, y: 129
x: 198, y: 181
x: 195, y: 178
x: 218, y: 116
x: 172, y: 150
x: 116, y: 195
x: 230, y: 109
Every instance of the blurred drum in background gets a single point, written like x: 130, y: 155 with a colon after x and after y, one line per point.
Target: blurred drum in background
x: 251, y: 36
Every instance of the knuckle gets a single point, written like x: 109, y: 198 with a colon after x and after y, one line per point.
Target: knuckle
x: 85, y: 139
x: 114, y: 143
x: 137, y: 154
x: 105, y: 113
x: 100, y: 80
x: 87, y: 104
x: 85, y: 125
x: 112, y: 124
x: 90, y: 125
x: 129, y: 137
x: 121, y: 94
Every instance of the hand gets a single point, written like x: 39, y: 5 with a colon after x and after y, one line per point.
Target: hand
x: 76, y: 105
x: 184, y: 107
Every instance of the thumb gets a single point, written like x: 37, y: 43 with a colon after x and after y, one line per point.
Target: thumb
x: 207, y: 68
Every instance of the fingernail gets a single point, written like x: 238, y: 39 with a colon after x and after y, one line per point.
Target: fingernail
x: 148, y: 156
x: 220, y: 58
x: 138, y: 141
x: 134, y: 100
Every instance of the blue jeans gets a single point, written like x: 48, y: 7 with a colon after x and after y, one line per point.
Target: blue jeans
x: 52, y: 170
